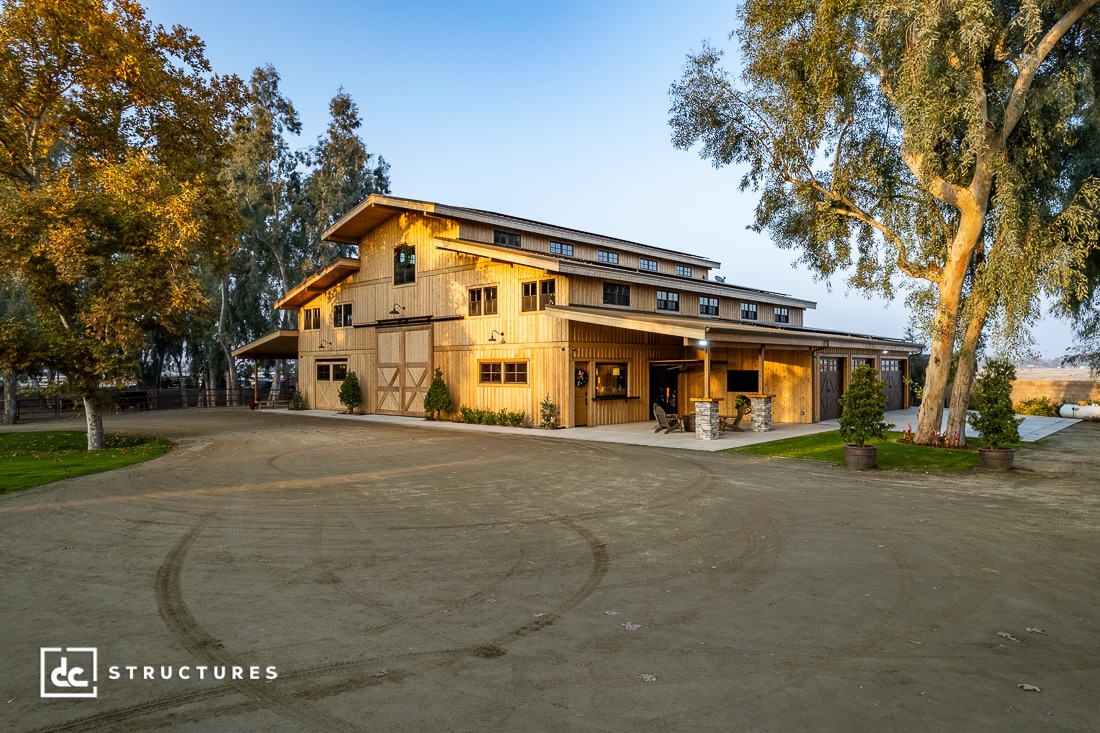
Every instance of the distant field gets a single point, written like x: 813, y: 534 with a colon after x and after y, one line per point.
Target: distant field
x: 1074, y: 374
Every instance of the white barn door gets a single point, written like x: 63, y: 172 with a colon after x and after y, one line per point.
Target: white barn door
x: 404, y: 370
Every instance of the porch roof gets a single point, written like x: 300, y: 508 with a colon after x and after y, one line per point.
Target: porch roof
x: 281, y: 344
x: 318, y: 283
x: 728, y: 333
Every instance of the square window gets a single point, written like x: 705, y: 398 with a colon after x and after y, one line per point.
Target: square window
x: 616, y: 294
x: 611, y: 258
x: 324, y: 373
x: 782, y: 315
x: 537, y: 295
x: 668, y: 301
x: 748, y: 311
x: 610, y: 380
x: 644, y: 264
x: 683, y: 271
x: 483, y: 301
x: 515, y: 372
x: 490, y: 372
x: 341, y: 315
x: 708, y: 306
x: 339, y: 372
x: 557, y: 248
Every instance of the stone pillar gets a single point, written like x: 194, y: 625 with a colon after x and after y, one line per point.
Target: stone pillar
x: 706, y: 419
x: 761, y: 413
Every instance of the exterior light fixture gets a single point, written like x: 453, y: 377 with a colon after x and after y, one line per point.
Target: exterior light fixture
x: 493, y: 336
x: 395, y: 312
x: 323, y: 342
x: 704, y: 343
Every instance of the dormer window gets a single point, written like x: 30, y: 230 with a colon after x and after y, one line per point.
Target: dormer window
x: 508, y: 239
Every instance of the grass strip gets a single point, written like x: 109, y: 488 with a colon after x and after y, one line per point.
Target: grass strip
x: 34, y: 458
x: 891, y: 454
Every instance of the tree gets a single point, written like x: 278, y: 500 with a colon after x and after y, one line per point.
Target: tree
x: 351, y: 395
x: 438, y: 399
x: 344, y: 174
x: 993, y: 416
x: 111, y: 134
x: 862, y: 407
x: 926, y: 139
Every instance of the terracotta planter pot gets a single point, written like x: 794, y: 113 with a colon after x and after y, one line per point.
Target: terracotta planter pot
x: 860, y: 457
x: 996, y: 459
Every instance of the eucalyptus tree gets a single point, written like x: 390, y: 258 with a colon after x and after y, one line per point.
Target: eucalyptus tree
x: 895, y: 138
x: 343, y: 174
x: 112, y: 131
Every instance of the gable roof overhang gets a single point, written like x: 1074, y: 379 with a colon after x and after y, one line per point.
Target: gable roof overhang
x: 316, y: 284
x: 728, y: 333
x: 281, y: 344
x: 377, y: 208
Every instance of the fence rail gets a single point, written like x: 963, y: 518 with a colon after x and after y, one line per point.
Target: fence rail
x: 34, y: 409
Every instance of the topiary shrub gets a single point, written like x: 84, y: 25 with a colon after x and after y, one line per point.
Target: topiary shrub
x: 863, y: 404
x: 991, y: 402
x: 351, y: 395
x: 438, y: 398
x: 297, y: 401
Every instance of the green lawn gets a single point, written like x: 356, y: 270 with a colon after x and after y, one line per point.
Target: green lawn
x: 891, y: 454
x: 30, y: 459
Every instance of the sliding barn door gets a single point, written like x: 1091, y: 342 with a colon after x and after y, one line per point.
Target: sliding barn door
x: 404, y: 369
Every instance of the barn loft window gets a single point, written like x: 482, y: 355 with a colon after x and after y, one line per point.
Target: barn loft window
x: 502, y: 372
x: 708, y: 306
x: 483, y: 301
x: 557, y: 248
x: 667, y: 301
x: 782, y: 315
x: 611, y: 381
x: 537, y: 295
x: 311, y: 319
x: 616, y: 294
x: 341, y: 315
x: 748, y: 311
x: 404, y: 264
x: 644, y: 264
x: 611, y: 258
x: 683, y: 271
x: 508, y: 239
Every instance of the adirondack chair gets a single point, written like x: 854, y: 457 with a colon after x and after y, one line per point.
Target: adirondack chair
x: 667, y: 421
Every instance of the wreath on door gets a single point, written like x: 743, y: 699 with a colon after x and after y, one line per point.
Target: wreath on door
x: 580, y: 378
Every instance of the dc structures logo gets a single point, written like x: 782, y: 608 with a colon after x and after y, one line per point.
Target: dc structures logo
x: 69, y: 671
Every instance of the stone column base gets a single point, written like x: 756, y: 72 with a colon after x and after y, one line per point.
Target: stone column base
x: 761, y: 414
x: 706, y: 420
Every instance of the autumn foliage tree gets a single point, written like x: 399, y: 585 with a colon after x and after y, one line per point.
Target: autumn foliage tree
x: 953, y: 144
x: 112, y: 131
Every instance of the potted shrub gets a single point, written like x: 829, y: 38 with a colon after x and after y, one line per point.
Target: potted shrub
x: 861, y: 417
x: 993, y: 416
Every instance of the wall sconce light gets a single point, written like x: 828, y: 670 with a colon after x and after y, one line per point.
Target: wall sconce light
x: 493, y: 336
x: 395, y: 312
x: 323, y: 342
x: 704, y: 343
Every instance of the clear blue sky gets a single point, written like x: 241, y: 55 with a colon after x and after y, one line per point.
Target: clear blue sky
x: 555, y: 111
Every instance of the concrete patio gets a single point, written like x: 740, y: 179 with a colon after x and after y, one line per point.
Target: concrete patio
x: 642, y: 433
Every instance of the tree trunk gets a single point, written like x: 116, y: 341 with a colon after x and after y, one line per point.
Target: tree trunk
x: 945, y: 328
x: 223, y: 339
x: 94, y: 415
x: 11, y: 400
x: 964, y: 373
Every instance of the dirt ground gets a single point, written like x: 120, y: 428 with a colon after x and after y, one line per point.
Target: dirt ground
x: 410, y: 579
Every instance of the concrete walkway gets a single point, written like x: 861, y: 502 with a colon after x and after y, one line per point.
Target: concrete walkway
x: 642, y: 433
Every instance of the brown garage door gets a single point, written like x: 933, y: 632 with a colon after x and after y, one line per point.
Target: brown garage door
x: 404, y: 370
x: 829, y: 381
x: 893, y: 384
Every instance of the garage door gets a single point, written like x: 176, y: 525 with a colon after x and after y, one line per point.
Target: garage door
x: 829, y: 388
x: 404, y: 370
x: 893, y: 384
